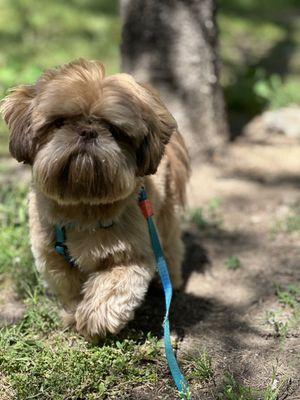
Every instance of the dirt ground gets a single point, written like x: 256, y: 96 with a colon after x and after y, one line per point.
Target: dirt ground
x: 257, y: 185
x: 225, y: 311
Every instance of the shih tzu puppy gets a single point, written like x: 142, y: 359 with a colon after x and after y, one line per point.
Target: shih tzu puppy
x: 92, y: 142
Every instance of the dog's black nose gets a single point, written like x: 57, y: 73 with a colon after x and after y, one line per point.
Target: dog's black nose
x: 88, y: 134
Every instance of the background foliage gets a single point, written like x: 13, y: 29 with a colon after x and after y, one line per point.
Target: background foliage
x: 260, y: 47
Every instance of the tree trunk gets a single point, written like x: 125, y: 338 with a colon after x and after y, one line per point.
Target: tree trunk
x: 172, y: 44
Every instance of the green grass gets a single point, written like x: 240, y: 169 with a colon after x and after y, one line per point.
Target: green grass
x: 42, y: 35
x: 292, y: 223
x: 289, y: 224
x: 201, y: 366
x: 289, y: 296
x: 41, y: 360
x: 233, y: 390
x: 280, y: 323
x: 16, y: 261
x: 287, y: 315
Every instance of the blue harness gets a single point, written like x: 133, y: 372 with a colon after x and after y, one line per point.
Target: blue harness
x: 162, y: 267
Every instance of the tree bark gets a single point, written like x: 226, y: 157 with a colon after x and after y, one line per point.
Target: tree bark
x: 172, y: 44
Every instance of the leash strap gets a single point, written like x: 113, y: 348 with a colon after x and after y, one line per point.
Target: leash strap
x: 162, y: 267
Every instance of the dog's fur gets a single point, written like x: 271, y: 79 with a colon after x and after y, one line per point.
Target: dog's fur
x: 92, y: 141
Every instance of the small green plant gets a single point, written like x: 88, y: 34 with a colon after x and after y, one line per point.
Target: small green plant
x: 272, y: 391
x: 201, y: 366
x: 214, y: 205
x: 233, y: 390
x: 233, y: 263
x: 209, y: 218
x: 198, y: 219
x: 289, y: 224
x: 293, y: 223
x: 281, y: 327
x: 290, y: 296
x: 41, y: 314
x: 214, y: 212
x: 286, y: 317
x: 185, y: 395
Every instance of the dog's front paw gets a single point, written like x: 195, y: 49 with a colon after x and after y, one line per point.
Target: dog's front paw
x: 95, y: 320
x: 110, y: 299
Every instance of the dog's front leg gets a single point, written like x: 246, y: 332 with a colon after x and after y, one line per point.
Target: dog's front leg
x: 111, y: 297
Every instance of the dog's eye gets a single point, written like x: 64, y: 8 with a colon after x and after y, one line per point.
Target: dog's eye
x: 119, y: 135
x: 114, y: 131
x: 59, y: 122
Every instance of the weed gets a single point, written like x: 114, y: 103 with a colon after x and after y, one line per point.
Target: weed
x: 214, y: 206
x: 280, y: 326
x: 233, y: 390
x: 290, y: 296
x: 292, y: 223
x: 197, y: 217
x: 285, y: 318
x: 208, y: 219
x: 201, y: 367
x: 289, y: 224
x: 185, y: 395
x: 272, y: 391
x: 233, y: 263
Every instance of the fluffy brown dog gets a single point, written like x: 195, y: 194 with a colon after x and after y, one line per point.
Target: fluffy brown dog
x: 92, y: 142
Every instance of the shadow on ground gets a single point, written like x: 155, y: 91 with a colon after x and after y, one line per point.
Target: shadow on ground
x: 267, y: 180
x: 188, y: 310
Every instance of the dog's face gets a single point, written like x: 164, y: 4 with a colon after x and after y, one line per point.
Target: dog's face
x: 87, y: 137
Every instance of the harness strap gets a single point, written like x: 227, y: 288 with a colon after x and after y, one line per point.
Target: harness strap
x: 60, y: 246
x: 162, y: 267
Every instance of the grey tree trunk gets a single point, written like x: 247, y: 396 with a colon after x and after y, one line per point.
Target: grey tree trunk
x: 172, y: 44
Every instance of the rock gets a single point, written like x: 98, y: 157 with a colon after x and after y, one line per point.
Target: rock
x: 284, y: 121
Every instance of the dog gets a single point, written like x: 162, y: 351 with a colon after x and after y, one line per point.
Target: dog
x: 92, y: 142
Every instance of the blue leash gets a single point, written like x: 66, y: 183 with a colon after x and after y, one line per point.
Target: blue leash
x: 162, y: 267
x: 145, y: 205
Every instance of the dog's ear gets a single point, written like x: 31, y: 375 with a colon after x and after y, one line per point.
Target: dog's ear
x: 16, y: 110
x: 160, y: 126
